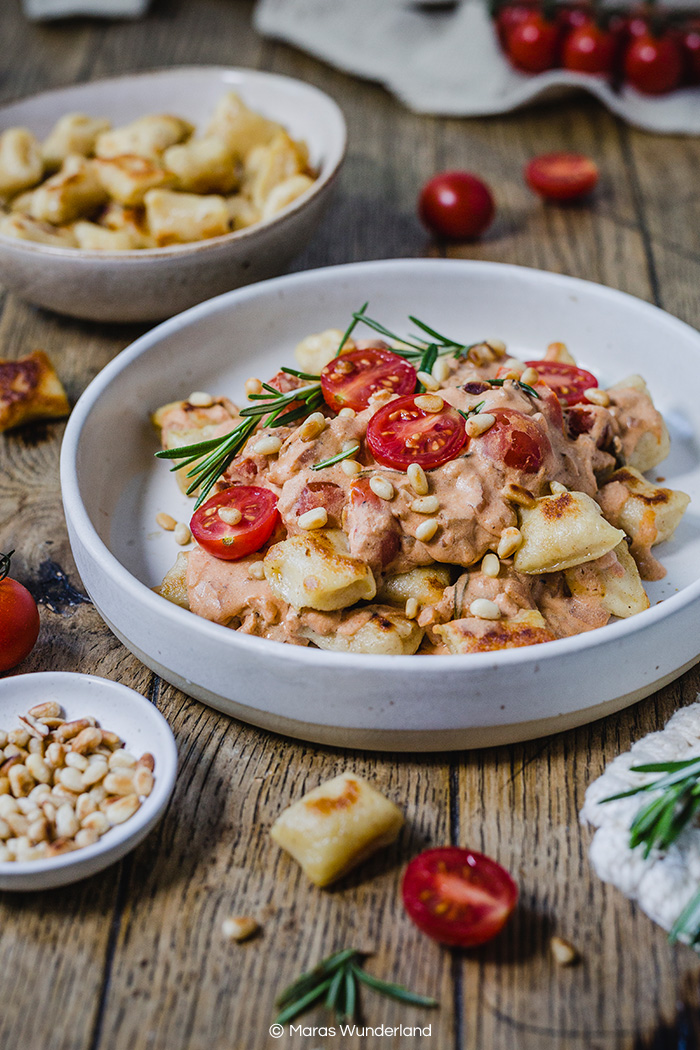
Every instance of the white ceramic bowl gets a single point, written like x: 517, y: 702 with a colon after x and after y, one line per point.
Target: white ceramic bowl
x: 113, y: 488
x: 153, y: 283
x: 142, y: 728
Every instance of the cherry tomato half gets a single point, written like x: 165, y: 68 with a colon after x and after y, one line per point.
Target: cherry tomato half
x: 19, y: 618
x: 589, y: 49
x: 533, y: 44
x: 458, y: 897
x: 456, y: 205
x: 515, y: 440
x: 568, y: 382
x: 653, y: 65
x: 259, y: 516
x: 561, y: 176
x: 401, y: 433
x: 350, y: 380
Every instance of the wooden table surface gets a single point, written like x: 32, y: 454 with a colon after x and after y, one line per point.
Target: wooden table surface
x: 134, y: 958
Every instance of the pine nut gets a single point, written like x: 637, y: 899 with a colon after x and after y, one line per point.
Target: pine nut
x: 86, y: 837
x: 429, y: 403
x: 239, y: 928
x: 479, y: 424
x: 166, y: 521
x: 3, y: 738
x: 490, y: 565
x: 557, y: 489
x: 21, y: 780
x: 182, y: 534
x: 39, y: 769
x: 94, y: 773
x: 147, y: 761
x: 427, y: 529
x: 36, y: 729
x: 97, y: 821
x: 530, y: 376
x: 417, y: 479
x: 510, y: 541
x: 19, y: 737
x: 596, y: 396
x: 514, y: 365
x: 143, y: 781
x: 119, y: 811
x: 56, y: 754
x: 347, y: 413
x: 481, y: 354
x: 48, y: 709
x: 253, y: 386
x: 519, y: 495
x: 76, y: 761
x: 5, y: 829
x: 312, y: 427
x: 230, y: 515
x: 38, y: 831
x: 428, y: 381
x: 84, y: 806
x: 256, y: 570
x: 559, y: 352
x: 313, y: 519
x: 350, y: 467
x: 426, y: 505
x: 122, y: 759
x: 70, y: 778
x: 441, y: 371
x: 269, y: 445
x: 111, y: 740
x: 86, y: 741
x: 411, y: 608
x: 497, y: 345
x: 66, y: 822
x: 121, y: 783
x: 381, y: 487
x: 200, y: 399
x: 563, y: 952
x: 485, y: 609
x: 69, y: 730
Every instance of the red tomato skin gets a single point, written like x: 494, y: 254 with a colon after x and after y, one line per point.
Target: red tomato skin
x: 343, y: 387
x: 690, y: 45
x: 510, y: 16
x: 653, y: 65
x: 448, y: 864
x: 516, y: 441
x: 212, y: 533
x: 456, y: 205
x: 590, y: 49
x: 568, y: 382
x: 562, y: 176
x: 19, y: 623
x: 384, y: 435
x: 570, y: 18
x: 533, y: 45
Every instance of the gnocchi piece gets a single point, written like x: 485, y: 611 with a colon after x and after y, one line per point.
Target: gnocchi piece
x: 21, y: 165
x: 177, y: 218
x: 374, y: 629
x: 127, y: 179
x: 75, y: 192
x: 645, y: 438
x: 147, y: 137
x: 90, y: 236
x: 472, y: 635
x: 240, y: 128
x: 118, y: 217
x: 614, y: 580
x: 313, y: 571
x: 182, y: 424
x: 315, y: 351
x: 241, y: 212
x: 285, y: 193
x: 267, y: 166
x: 24, y: 228
x: 29, y: 390
x: 336, y: 826
x: 205, y: 165
x: 426, y: 584
x: 174, y: 585
x: 74, y: 133
x: 561, y: 531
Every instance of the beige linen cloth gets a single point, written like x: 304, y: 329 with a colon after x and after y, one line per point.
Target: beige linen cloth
x: 445, y: 59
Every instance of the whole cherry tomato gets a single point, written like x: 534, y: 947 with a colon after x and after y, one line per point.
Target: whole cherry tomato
x: 533, y: 45
x: 348, y: 381
x: 19, y: 618
x: 572, y: 16
x: 456, y: 205
x: 509, y: 16
x: 590, y: 49
x: 458, y: 897
x: 401, y: 433
x: 690, y: 46
x: 568, y: 382
x: 215, y: 528
x: 653, y: 64
x: 561, y: 176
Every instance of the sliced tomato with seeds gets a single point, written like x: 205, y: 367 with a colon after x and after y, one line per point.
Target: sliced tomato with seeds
x: 350, y: 380
x: 215, y: 528
x: 568, y: 382
x: 402, y: 433
x: 515, y: 440
x: 457, y: 896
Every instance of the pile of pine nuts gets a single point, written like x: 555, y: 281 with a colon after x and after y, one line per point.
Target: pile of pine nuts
x: 63, y: 784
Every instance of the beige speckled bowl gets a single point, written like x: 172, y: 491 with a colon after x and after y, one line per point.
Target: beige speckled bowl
x: 154, y: 283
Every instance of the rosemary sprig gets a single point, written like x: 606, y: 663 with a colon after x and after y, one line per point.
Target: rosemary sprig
x: 336, y: 459
x: 335, y: 980
x: 430, y: 355
x: 474, y: 411
x: 523, y: 386
x: 658, y: 824
x: 356, y: 318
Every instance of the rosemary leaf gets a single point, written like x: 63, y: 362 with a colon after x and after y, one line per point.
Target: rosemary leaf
x: 442, y: 339
x: 293, y: 372
x: 356, y: 318
x: 687, y: 925
x: 472, y: 411
x: 307, y: 980
x: 336, y: 459
x: 334, y: 989
x: 350, y: 1006
x: 394, y: 991
x: 377, y: 326
x: 299, y: 1005
x: 427, y: 361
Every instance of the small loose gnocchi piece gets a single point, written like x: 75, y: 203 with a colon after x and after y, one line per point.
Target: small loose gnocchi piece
x: 336, y: 826
x: 174, y: 585
x: 561, y: 531
x: 240, y: 128
x: 72, y: 133
x: 24, y: 228
x: 426, y: 584
x: 90, y: 236
x: 127, y: 179
x: 286, y: 192
x: 206, y: 165
x: 315, y: 351
x: 653, y: 443
x: 74, y: 192
x: 313, y: 571
x: 267, y: 166
x: 147, y: 137
x: 21, y: 165
x: 241, y: 212
x: 616, y: 583
x: 30, y: 389
x: 385, y: 632
x: 473, y: 635
x: 178, y: 218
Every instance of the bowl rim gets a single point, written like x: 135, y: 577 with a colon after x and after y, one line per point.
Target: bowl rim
x: 139, y: 592
x: 325, y: 179
x: 147, y: 814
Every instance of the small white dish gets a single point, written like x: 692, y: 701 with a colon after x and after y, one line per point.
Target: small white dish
x: 113, y: 488
x: 153, y: 283
x: 141, y: 727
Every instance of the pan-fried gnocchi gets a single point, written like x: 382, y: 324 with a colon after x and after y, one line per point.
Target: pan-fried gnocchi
x: 480, y: 512
x: 180, y: 186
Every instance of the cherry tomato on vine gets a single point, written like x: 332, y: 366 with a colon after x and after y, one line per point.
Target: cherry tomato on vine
x: 458, y: 897
x: 568, y: 382
x: 690, y: 46
x: 590, y: 49
x: 561, y: 176
x: 19, y: 618
x: 572, y: 16
x: 515, y: 440
x: 509, y: 16
x: 228, y: 539
x: 533, y: 44
x: 401, y: 433
x: 456, y: 205
x: 348, y: 381
x: 653, y: 64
